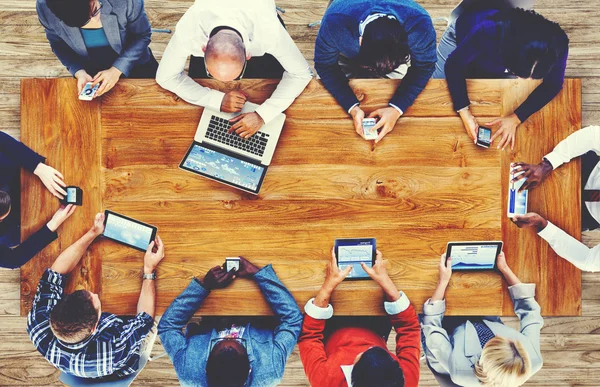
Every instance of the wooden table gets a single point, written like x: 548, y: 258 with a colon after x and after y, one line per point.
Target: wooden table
x: 424, y: 185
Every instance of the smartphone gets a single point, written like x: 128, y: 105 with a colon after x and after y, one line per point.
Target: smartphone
x: 74, y: 196
x: 484, y: 137
x: 368, y: 124
x: 517, y: 201
x: 232, y: 263
x: 88, y: 92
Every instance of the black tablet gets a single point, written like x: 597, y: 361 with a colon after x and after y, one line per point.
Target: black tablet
x: 128, y: 231
x: 351, y: 252
x: 473, y: 255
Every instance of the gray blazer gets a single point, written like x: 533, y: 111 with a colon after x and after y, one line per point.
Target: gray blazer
x: 126, y: 26
x: 452, y: 359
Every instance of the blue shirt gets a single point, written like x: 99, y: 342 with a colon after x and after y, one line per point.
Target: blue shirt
x: 94, y: 37
x: 113, y: 349
x: 339, y: 34
x: 268, y: 351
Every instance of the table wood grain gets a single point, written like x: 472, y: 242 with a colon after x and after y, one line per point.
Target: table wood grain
x: 425, y: 184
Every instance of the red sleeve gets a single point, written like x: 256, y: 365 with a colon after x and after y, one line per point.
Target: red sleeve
x: 312, y: 350
x: 408, y: 344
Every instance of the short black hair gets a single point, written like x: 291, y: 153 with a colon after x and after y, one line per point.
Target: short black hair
x: 74, y: 317
x: 74, y: 13
x: 376, y: 367
x: 5, y: 203
x: 531, y: 45
x: 384, y: 47
x: 227, y: 367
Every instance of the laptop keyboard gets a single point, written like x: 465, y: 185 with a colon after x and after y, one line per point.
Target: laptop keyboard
x: 218, y: 131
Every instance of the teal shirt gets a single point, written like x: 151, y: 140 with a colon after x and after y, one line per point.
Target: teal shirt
x: 94, y: 37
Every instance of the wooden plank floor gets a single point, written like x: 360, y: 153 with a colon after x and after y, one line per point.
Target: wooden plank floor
x: 571, y: 346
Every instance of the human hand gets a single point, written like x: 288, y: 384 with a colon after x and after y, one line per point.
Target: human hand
x: 82, y: 78
x: 386, y: 120
x: 108, y: 79
x: 501, y: 262
x: 154, y: 254
x: 62, y: 214
x: 470, y: 123
x: 507, y: 129
x: 52, y: 179
x: 535, y: 174
x: 98, y: 226
x: 357, y: 118
x: 246, y: 124
x: 247, y: 269
x: 530, y: 220
x: 217, y: 278
x: 445, y: 270
x: 380, y: 275
x: 333, y: 275
x: 233, y: 101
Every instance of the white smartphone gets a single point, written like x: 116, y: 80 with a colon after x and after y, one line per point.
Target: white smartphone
x: 517, y: 201
x: 88, y: 92
x: 232, y: 263
x: 368, y: 124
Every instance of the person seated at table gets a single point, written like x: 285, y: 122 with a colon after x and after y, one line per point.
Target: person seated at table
x: 585, y: 143
x: 220, y: 352
x: 14, y: 155
x: 506, y: 43
x: 74, y: 334
x: 351, y: 351
x: 98, y: 41
x: 375, y: 39
x: 229, y: 40
x: 476, y: 351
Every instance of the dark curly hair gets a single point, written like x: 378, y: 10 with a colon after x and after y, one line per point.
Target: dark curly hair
x: 74, y: 317
x: 384, y: 47
x: 531, y: 44
x: 74, y: 13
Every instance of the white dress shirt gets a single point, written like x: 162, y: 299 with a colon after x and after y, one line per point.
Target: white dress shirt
x: 577, y: 144
x: 262, y: 34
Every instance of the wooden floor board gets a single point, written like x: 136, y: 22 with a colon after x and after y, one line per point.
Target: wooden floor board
x: 22, y: 41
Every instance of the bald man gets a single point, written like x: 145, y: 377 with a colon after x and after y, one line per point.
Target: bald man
x: 229, y: 40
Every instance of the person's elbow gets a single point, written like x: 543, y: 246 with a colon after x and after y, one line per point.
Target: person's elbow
x: 164, y: 78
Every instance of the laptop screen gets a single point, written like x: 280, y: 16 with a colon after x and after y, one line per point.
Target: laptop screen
x: 223, y: 166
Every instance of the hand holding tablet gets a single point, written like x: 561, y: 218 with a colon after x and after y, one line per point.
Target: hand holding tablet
x: 353, y: 254
x: 127, y: 231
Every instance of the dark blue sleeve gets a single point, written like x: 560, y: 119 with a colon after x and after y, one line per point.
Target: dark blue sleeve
x: 544, y: 93
x: 326, y: 63
x: 286, y: 309
x: 177, y: 315
x: 423, y: 56
x: 20, y: 255
x: 18, y: 153
x: 475, y: 43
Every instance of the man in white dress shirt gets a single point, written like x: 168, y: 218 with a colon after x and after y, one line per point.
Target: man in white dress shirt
x: 583, y: 142
x: 227, y: 40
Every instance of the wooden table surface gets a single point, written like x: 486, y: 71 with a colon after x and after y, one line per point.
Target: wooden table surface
x: 425, y: 184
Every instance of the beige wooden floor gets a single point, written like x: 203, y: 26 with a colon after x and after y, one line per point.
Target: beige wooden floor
x: 571, y: 346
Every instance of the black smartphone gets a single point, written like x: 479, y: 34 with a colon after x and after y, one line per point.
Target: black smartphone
x: 74, y: 196
x: 484, y: 137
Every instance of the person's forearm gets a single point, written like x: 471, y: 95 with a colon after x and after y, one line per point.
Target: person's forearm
x: 323, y: 297
x: 509, y: 276
x: 67, y: 261
x: 147, y: 301
x: 439, y: 292
x: 390, y: 290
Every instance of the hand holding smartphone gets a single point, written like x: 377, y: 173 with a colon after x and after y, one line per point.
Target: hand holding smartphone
x: 89, y: 91
x: 232, y: 263
x: 484, y: 137
x: 368, y: 124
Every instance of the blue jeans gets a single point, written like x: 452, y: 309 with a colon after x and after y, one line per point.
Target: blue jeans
x: 445, y: 48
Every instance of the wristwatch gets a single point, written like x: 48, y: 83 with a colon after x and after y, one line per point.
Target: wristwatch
x: 151, y: 276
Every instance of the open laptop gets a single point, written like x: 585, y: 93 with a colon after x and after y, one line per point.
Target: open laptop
x: 228, y: 158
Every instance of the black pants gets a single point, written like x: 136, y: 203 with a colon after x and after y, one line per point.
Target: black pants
x: 588, y: 163
x: 139, y: 71
x: 208, y: 323
x: 378, y: 324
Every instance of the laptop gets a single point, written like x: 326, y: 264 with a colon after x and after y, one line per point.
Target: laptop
x: 228, y: 158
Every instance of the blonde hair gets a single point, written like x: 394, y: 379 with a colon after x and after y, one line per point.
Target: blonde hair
x: 503, y: 363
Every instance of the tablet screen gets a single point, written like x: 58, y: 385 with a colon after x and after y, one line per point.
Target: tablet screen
x: 128, y: 231
x: 220, y: 166
x: 474, y: 256
x: 351, y: 252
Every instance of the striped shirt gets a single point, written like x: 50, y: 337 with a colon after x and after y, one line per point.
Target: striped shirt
x: 113, y: 348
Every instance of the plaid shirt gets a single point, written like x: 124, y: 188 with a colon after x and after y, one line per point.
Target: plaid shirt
x: 113, y: 349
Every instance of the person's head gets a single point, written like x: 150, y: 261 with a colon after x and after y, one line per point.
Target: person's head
x: 383, y: 47
x: 5, y: 205
x: 376, y: 367
x: 75, y: 317
x: 74, y: 13
x: 531, y: 44
x: 228, y: 365
x: 503, y: 363
x: 225, y: 55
